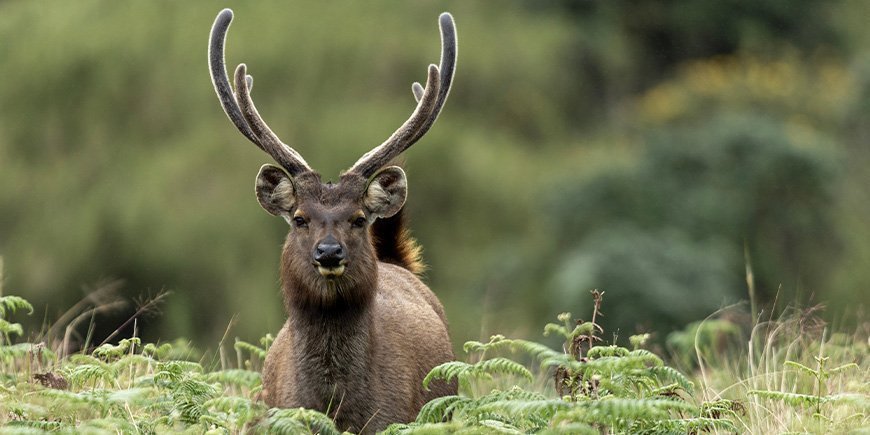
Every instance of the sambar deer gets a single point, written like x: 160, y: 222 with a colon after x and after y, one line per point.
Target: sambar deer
x: 362, y: 330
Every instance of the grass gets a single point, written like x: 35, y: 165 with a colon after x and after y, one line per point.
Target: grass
x: 791, y: 375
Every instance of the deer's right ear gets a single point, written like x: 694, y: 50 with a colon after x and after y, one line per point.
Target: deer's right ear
x: 275, y: 191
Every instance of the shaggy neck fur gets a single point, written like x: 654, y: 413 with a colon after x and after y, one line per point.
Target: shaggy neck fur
x: 333, y: 357
x: 332, y: 323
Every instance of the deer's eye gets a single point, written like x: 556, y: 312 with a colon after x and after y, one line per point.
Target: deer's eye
x: 300, y: 222
x: 359, y: 222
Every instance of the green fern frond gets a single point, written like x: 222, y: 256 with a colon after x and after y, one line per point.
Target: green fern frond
x: 80, y: 374
x: 603, y: 351
x: 613, y: 410
x: 109, y: 351
x: 132, y: 360
x: 842, y: 368
x: 503, y: 366
x: 11, y: 304
x: 670, y: 373
x: 131, y: 395
x: 243, y: 378
x: 189, y: 397
x: 266, y: 341
x: 437, y: 410
x: 515, y: 393
x: 706, y: 424
x: 233, y: 404
x: 446, y: 371
x: 536, y: 350
x: 793, y: 399
x: 574, y: 428
x: 15, y: 350
x: 639, y: 340
x: 647, y: 356
x: 81, y: 358
x: 429, y: 429
x: 681, y: 426
x: 250, y: 348
x: 604, y: 365
x: 482, y: 369
x: 719, y: 407
x: 97, y: 398
x: 544, y: 408
x: 8, y: 328
x: 299, y: 420
x: 173, y: 370
x: 157, y: 352
x: 498, y: 426
x: 802, y: 368
x: 35, y: 426
x: 551, y: 328
x: 107, y: 425
x: 496, y: 342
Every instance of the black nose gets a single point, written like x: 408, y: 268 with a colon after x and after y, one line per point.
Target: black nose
x: 329, y: 253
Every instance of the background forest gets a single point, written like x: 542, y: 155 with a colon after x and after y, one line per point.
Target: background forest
x: 649, y: 149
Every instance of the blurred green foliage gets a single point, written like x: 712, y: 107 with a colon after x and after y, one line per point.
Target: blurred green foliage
x: 635, y: 147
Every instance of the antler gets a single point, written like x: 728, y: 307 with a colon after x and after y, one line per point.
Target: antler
x: 430, y: 100
x: 239, y: 106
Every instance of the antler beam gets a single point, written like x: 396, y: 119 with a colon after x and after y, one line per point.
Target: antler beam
x: 430, y: 101
x: 239, y: 106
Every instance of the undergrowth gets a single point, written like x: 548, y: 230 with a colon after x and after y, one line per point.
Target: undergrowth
x: 793, y: 376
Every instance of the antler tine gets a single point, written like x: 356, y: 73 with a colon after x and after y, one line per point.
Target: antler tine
x: 269, y: 142
x: 447, y: 67
x: 430, y: 101
x: 219, y: 78
x: 245, y: 117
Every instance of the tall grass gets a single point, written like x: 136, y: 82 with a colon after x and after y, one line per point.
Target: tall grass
x: 794, y: 374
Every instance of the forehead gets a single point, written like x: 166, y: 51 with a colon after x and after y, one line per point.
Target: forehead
x: 330, y: 198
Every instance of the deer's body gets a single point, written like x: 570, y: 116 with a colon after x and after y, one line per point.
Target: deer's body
x: 365, y: 362
x: 362, y: 330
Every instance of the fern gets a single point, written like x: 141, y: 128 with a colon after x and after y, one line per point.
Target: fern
x: 252, y: 349
x: 664, y: 372
x: 618, y: 411
x: 159, y: 352
x: 243, y: 378
x: 20, y: 350
x: 83, y: 373
x: 622, y: 390
x: 11, y: 304
x: 108, y: 351
x: 8, y: 328
x: 439, y: 409
x: 298, y: 420
x: 794, y: 399
x: 521, y: 409
x: 480, y: 370
x: 36, y: 426
x: 603, y: 351
x: 428, y: 429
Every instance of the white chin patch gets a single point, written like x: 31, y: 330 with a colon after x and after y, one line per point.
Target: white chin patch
x: 331, y: 272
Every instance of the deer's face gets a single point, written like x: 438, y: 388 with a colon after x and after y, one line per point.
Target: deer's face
x: 329, y: 246
x: 329, y: 242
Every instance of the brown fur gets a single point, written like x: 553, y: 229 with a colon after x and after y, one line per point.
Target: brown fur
x: 362, y: 330
x: 394, y: 244
x: 356, y: 346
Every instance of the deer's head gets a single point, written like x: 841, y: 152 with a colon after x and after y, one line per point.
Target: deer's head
x: 329, y: 251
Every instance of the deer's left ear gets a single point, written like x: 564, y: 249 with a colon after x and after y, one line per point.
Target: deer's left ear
x: 386, y: 192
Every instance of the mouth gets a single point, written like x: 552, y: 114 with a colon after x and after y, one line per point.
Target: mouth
x: 331, y: 272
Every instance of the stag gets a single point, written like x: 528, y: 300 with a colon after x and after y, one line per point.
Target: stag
x: 362, y: 329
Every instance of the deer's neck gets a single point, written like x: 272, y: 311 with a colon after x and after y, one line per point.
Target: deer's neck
x: 332, y: 351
